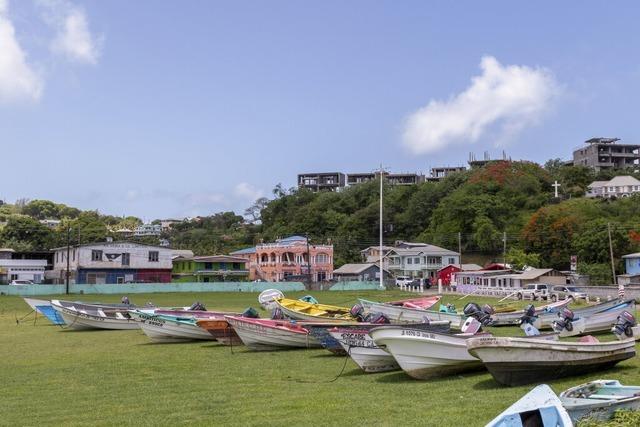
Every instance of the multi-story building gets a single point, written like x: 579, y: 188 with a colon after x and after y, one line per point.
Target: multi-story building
x: 330, y: 181
x: 292, y: 258
x: 605, y: 153
x: 418, y: 260
x: 113, y: 262
x: 361, y: 178
x: 619, y: 186
x: 51, y: 223
x: 213, y: 268
x: 20, y: 269
x: 148, y: 230
x: 444, y: 171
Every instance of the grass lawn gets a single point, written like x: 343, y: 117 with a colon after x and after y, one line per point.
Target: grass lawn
x: 51, y: 376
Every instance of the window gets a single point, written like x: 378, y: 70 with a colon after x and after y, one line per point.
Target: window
x: 14, y: 277
x: 96, y: 255
x: 322, y: 258
x: 409, y: 260
x: 74, y: 255
x: 119, y: 280
x: 126, y: 259
x: 416, y: 260
x: 452, y: 261
x: 154, y: 256
x: 57, y: 256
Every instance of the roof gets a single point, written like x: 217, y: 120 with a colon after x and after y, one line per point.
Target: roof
x: 218, y: 258
x: 251, y: 250
x: 292, y: 239
x: 354, y: 268
x: 534, y: 273
x: 465, y: 267
x: 427, y: 249
x: 635, y: 255
x: 598, y: 184
x: 117, y: 242
x: 6, y: 250
x: 616, y: 181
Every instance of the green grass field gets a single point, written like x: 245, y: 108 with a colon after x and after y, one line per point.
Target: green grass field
x: 51, y: 376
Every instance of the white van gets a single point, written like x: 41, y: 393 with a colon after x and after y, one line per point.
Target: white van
x: 403, y: 280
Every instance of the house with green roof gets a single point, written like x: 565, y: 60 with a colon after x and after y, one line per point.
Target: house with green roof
x: 212, y: 268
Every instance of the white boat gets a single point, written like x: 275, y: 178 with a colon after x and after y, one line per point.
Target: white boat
x: 517, y: 361
x: 84, y: 316
x: 45, y: 308
x: 399, y: 314
x: 540, y: 407
x: 166, y: 329
x: 267, y: 334
x: 363, y: 350
x: 599, y: 399
x: 545, y: 320
x: 598, y: 322
x: 513, y: 318
x: 424, y: 354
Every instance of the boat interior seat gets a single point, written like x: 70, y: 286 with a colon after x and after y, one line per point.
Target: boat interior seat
x: 588, y: 339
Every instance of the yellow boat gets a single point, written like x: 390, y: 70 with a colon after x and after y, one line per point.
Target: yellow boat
x: 301, y: 310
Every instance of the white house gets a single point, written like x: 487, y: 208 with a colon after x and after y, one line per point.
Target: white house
x: 619, y: 186
x: 148, y: 230
x: 22, y: 269
x: 114, y: 262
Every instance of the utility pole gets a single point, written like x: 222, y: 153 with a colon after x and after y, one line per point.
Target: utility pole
x: 381, y: 256
x: 504, y: 248
x: 613, y: 266
x: 68, y: 250
x: 308, y: 258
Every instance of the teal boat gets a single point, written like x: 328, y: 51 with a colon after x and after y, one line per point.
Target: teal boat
x: 540, y: 407
x: 600, y: 399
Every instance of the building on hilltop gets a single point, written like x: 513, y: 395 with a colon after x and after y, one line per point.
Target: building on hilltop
x: 148, y: 230
x: 442, y: 172
x: 619, y: 186
x: 288, y: 259
x: 606, y: 153
x: 212, y: 268
x: 113, y: 262
x: 325, y: 181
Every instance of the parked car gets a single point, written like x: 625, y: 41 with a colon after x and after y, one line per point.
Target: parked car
x: 564, y: 292
x: 403, y: 280
x: 534, y: 291
x: 21, y: 282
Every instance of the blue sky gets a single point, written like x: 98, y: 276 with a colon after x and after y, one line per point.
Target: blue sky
x: 172, y: 109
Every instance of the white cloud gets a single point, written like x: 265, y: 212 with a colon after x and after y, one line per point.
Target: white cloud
x: 247, y: 191
x: 18, y: 81
x: 509, y: 97
x: 73, y: 38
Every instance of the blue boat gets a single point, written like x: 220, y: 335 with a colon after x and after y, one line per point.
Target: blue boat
x: 44, y: 307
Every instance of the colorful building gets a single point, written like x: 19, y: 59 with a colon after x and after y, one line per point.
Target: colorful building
x: 113, y: 262
x: 445, y: 273
x: 291, y: 258
x: 214, y: 268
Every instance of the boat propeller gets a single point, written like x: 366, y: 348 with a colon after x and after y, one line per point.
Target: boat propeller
x: 624, y: 325
x: 483, y: 315
x: 566, y: 321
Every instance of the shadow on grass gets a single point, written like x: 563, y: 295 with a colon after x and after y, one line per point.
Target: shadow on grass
x: 400, y: 376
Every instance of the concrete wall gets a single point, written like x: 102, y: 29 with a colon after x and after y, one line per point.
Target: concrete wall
x: 139, y: 288
x: 355, y: 286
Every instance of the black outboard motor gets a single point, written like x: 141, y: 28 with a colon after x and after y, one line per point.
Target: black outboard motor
x: 197, y: 306
x: 377, y: 318
x: 125, y: 300
x: 566, y: 322
x: 483, y: 315
x: 529, y: 315
x: 357, y: 311
x: 624, y: 324
x: 277, y: 314
x: 251, y: 313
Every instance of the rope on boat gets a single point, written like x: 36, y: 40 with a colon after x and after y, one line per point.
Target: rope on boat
x: 25, y: 316
x: 346, y: 359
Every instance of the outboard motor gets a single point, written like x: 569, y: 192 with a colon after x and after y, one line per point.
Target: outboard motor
x: 529, y: 315
x: 357, y: 311
x: 449, y: 308
x: 624, y: 325
x: 566, y: 322
x: 197, y: 306
x: 125, y: 300
x: 277, y: 314
x: 377, y: 318
x: 309, y: 298
x: 250, y: 312
x: 483, y: 315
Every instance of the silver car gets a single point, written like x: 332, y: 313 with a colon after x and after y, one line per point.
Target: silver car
x: 564, y: 292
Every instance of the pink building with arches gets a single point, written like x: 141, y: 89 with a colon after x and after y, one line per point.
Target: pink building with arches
x: 290, y: 258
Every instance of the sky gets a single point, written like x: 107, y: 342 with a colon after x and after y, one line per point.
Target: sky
x: 164, y: 109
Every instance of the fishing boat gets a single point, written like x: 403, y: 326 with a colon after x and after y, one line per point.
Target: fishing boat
x: 320, y: 331
x: 268, y: 334
x: 517, y: 361
x: 545, y: 319
x: 425, y: 354
x: 569, y: 325
x: 45, y: 308
x: 599, y: 399
x: 358, y: 344
x: 162, y: 328
x: 221, y: 330
x: 540, y: 407
x: 399, y: 314
x: 89, y: 316
x: 513, y: 317
x: 302, y: 310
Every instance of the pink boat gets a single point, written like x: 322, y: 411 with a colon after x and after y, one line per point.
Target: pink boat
x: 422, y: 302
x: 194, y: 313
x: 267, y: 334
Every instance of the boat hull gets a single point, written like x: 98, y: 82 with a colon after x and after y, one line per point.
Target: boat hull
x: 45, y: 308
x: 545, y: 320
x: 260, y: 337
x: 162, y: 329
x: 426, y: 354
x: 598, y: 322
x: 518, y: 361
x: 294, y: 309
x: 397, y: 314
x: 513, y: 318
x: 359, y: 345
x: 221, y: 330
x: 599, y: 399
x: 79, y: 320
